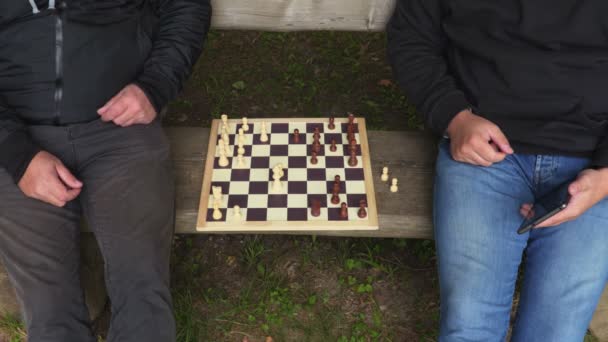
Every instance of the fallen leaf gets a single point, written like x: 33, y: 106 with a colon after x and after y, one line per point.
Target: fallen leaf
x: 269, y: 339
x: 239, y: 85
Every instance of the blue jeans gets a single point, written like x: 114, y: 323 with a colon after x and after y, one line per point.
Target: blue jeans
x: 476, y: 216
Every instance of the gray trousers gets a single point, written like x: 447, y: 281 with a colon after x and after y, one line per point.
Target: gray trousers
x: 128, y: 202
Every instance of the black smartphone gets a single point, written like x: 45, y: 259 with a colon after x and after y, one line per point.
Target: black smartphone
x: 548, y: 205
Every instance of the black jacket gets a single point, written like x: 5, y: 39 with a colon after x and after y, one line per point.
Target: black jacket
x: 538, y: 69
x: 62, y: 60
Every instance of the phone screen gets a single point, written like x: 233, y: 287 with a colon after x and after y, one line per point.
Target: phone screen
x: 546, y: 206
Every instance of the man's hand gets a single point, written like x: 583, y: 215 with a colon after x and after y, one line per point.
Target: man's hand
x: 130, y: 106
x: 590, y: 187
x: 476, y: 141
x: 48, y: 180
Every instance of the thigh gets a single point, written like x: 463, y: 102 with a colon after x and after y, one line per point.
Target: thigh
x: 476, y: 215
x: 566, y: 270
x: 39, y: 247
x: 128, y: 198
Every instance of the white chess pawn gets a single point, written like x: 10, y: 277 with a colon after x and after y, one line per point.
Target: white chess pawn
x: 217, y: 193
x: 241, y: 136
x: 223, y: 162
x: 384, y: 176
x: 241, y: 149
x: 394, y: 187
x: 217, y: 213
x: 240, y: 161
x: 245, y: 125
x: 224, y: 118
x: 263, y: 133
x: 237, y: 212
x: 277, y: 173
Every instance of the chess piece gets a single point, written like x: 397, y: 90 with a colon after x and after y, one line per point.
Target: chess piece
x: 315, y: 208
x: 313, y: 159
x: 223, y: 162
x: 296, y: 136
x: 352, y: 161
x: 384, y: 176
x: 362, y: 213
x: 316, y: 146
x: 240, y: 161
x: 220, y: 145
x: 277, y: 173
x: 343, y: 210
x: 335, y: 198
x: 217, y: 213
x: 236, y: 213
x: 226, y: 138
x: 331, y: 125
x: 228, y: 149
x: 241, y: 134
x: 337, y: 179
x: 336, y: 188
x: 316, y: 133
x: 217, y: 193
x: 333, y: 146
x: 394, y: 187
x: 241, y: 149
x: 263, y: 133
x: 245, y: 126
x: 225, y: 123
x: 351, y: 119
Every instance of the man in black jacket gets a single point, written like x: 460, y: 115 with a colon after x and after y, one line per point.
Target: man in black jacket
x: 81, y: 86
x: 517, y: 89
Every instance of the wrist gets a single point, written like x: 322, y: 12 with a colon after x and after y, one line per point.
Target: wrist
x: 462, y: 116
x: 603, y: 171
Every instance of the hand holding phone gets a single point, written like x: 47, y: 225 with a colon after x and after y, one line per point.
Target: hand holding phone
x: 545, y: 207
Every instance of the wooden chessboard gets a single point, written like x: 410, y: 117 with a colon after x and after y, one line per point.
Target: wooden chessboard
x: 249, y: 187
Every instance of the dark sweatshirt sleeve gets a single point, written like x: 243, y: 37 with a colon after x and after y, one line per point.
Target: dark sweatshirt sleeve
x: 16, y: 147
x: 600, y: 155
x: 416, y: 51
x: 182, y: 28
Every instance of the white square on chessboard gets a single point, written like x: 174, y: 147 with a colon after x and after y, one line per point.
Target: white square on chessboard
x: 298, y: 174
x: 301, y: 126
x: 310, y: 138
x: 317, y: 187
x: 297, y: 201
x: 275, y: 160
x: 221, y: 175
x: 330, y: 174
x: 260, y: 150
x: 230, y: 215
x: 331, y: 205
x: 223, y: 203
x: 239, y: 188
x: 246, y: 162
x: 338, y: 152
x: 276, y: 214
x: 353, y: 187
x: 335, y: 130
x: 296, y: 150
x: 322, y: 217
x: 279, y: 138
x: 319, y: 165
x: 257, y: 201
x: 248, y: 138
x: 353, y: 214
x: 259, y: 175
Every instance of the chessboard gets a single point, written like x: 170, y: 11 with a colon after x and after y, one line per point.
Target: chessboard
x: 307, y: 189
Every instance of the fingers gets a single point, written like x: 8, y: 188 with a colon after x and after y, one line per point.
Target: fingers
x: 526, y: 210
x: 130, y: 106
x: 500, y: 140
x: 67, y: 177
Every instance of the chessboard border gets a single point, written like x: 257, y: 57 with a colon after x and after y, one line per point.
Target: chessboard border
x: 371, y: 223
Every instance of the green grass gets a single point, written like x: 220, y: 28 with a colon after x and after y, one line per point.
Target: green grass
x: 11, y: 329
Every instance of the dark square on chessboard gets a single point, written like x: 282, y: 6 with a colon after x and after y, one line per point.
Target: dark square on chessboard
x: 322, y: 198
x: 210, y: 215
x: 353, y: 200
x: 333, y: 214
x: 315, y: 174
x: 280, y: 128
x: 347, y: 150
x: 329, y: 136
x: 330, y: 187
x: 354, y: 174
x: 240, y: 175
x: 279, y: 150
x: 297, y: 214
x: 334, y: 162
x: 297, y: 187
x: 319, y: 154
x: 240, y: 200
x: 257, y: 214
x: 297, y: 162
x: 277, y: 201
x: 260, y: 162
x: 345, y: 128
x: 258, y: 188
x: 310, y: 127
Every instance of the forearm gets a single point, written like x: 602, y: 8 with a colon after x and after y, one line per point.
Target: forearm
x: 183, y: 26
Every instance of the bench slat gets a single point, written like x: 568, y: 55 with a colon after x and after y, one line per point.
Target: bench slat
x: 409, y: 156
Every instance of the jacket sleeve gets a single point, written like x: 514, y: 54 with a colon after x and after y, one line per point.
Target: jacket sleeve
x: 416, y: 51
x: 600, y: 155
x: 16, y: 147
x: 182, y: 28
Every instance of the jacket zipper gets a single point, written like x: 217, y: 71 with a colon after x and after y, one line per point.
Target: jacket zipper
x: 58, y: 65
